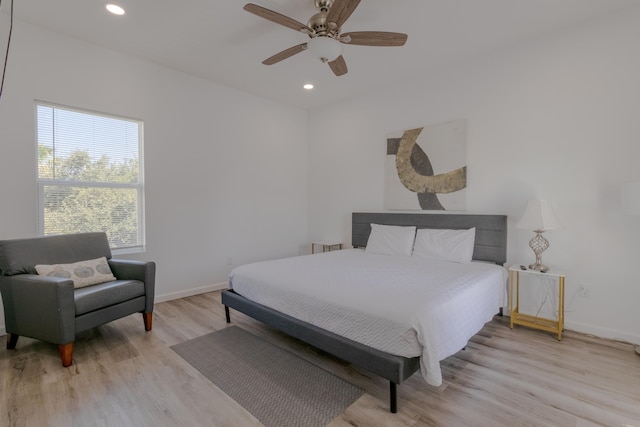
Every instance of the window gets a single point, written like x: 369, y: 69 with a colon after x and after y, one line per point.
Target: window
x: 90, y: 175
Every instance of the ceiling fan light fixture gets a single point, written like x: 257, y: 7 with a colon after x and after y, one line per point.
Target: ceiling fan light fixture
x: 325, y: 48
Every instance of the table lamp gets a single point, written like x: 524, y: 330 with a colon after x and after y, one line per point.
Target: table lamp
x: 631, y: 205
x: 539, y: 217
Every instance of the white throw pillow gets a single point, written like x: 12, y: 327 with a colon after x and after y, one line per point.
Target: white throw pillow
x: 450, y: 245
x: 83, y: 273
x: 390, y: 240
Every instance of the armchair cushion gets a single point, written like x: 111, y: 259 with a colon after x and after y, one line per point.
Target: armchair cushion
x: 103, y: 295
x: 83, y: 273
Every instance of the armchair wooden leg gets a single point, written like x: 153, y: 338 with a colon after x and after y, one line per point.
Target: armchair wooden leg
x: 148, y: 320
x: 12, y: 341
x: 66, y: 354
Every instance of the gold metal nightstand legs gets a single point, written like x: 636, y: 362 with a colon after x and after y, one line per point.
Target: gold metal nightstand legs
x: 517, y: 318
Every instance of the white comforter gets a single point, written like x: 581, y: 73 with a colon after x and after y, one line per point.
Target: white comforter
x: 402, y: 305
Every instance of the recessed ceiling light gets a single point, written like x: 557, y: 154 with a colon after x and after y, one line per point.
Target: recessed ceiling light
x: 308, y: 86
x: 115, y: 9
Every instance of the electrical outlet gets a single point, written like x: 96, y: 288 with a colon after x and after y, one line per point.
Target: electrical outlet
x: 584, y: 291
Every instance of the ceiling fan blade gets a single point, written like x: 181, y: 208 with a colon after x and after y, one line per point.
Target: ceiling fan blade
x: 374, y: 38
x: 276, y: 17
x: 285, y: 54
x: 341, y: 10
x: 338, y: 66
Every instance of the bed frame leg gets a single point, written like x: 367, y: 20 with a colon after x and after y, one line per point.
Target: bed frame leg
x: 226, y: 313
x: 500, y: 313
x: 393, y: 397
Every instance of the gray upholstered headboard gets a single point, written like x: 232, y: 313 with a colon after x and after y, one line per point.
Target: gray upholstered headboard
x: 491, y: 230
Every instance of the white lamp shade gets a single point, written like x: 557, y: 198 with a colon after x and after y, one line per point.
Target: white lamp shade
x: 325, y: 48
x: 539, y: 216
x: 631, y: 198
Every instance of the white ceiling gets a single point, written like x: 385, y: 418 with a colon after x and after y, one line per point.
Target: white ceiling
x: 217, y: 40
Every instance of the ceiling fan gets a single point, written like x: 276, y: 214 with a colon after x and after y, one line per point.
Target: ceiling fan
x: 324, y: 30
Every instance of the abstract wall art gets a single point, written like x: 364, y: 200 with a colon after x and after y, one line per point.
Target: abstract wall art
x: 426, y: 168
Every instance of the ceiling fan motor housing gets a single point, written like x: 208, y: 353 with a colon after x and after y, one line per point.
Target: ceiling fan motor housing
x: 318, y: 23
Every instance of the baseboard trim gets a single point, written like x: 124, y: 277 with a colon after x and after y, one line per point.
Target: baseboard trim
x: 190, y: 292
x: 603, y: 332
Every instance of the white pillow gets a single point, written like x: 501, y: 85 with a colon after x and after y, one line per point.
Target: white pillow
x: 450, y: 245
x: 83, y: 273
x: 390, y: 240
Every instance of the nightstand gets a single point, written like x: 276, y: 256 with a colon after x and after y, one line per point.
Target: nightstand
x: 327, y: 246
x: 517, y: 318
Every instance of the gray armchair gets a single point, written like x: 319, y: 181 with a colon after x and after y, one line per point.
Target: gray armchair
x: 49, y: 308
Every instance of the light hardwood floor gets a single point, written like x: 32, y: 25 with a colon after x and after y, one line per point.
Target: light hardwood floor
x: 122, y: 376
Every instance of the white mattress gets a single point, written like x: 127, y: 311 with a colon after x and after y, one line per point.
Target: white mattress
x: 402, y: 305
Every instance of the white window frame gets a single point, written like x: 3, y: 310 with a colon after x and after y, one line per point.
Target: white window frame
x: 138, y: 186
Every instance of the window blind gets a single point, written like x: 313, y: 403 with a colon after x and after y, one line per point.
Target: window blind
x: 90, y: 175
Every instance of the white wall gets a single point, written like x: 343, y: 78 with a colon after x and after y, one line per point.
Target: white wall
x: 225, y: 171
x: 557, y: 119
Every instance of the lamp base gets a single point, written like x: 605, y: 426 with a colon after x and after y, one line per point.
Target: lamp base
x: 538, y: 244
x: 539, y: 267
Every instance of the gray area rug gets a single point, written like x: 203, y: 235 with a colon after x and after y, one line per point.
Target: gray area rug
x: 277, y: 387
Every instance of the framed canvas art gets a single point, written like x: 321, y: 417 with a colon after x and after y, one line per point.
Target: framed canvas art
x: 426, y: 168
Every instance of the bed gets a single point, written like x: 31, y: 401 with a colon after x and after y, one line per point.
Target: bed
x: 328, y: 317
